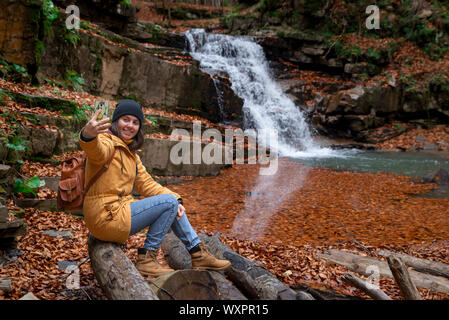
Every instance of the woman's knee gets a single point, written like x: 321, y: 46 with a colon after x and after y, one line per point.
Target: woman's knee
x: 172, y: 201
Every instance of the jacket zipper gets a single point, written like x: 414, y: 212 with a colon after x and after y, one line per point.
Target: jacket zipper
x: 121, y: 158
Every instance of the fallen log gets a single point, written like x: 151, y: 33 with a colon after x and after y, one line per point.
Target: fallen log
x: 365, y: 266
x: 179, y: 258
x: 226, y: 288
x: 5, y: 285
x: 439, y: 176
x: 402, y: 277
x: 176, y: 253
x: 185, y: 285
x: 325, y: 293
x: 420, y: 265
x: 251, y: 277
x: 371, y: 290
x: 115, y: 273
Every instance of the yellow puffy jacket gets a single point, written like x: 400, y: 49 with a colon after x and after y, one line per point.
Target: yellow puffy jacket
x: 107, y: 210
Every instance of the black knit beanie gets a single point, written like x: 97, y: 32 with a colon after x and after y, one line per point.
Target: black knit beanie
x: 128, y: 106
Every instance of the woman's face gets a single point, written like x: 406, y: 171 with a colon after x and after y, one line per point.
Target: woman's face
x: 128, y: 126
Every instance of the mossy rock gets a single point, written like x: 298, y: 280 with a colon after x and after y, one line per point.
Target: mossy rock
x: 49, y: 103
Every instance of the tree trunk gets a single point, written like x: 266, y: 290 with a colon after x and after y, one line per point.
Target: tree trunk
x: 402, y: 277
x: 421, y: 265
x: 366, y: 265
x: 185, y: 285
x: 251, y: 277
x: 370, y: 289
x: 179, y: 258
x: 5, y: 285
x: 227, y: 289
x: 115, y: 273
x: 176, y: 253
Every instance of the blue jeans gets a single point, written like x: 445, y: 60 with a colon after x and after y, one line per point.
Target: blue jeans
x: 159, y: 212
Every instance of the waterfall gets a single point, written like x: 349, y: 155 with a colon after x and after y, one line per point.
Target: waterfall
x: 265, y: 104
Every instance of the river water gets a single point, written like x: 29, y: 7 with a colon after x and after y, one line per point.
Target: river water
x: 301, y: 202
x: 266, y: 107
x: 415, y: 164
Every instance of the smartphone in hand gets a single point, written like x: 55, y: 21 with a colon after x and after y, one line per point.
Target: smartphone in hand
x: 104, y: 106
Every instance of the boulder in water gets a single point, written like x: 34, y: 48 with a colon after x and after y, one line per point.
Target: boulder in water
x: 439, y: 176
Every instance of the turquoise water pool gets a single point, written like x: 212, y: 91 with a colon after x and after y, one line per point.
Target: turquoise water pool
x: 416, y: 164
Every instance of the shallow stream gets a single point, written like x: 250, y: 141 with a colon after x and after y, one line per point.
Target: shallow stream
x: 415, y: 164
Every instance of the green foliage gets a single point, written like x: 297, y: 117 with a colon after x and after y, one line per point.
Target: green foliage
x: 13, y: 72
x: 125, y: 3
x: 117, y: 38
x: 85, y: 25
x: 72, y: 37
x: 348, y: 52
x: 423, y: 31
x: 435, y: 51
x: 442, y: 12
x: 83, y: 113
x: 439, y: 83
x: 50, y: 13
x: 419, y: 33
x: 373, y: 55
x: 12, y: 141
x: 33, y: 118
x: 29, y: 186
x: 16, y: 143
x: 152, y: 119
x: 53, y: 83
x: 410, y: 83
x: 73, y: 80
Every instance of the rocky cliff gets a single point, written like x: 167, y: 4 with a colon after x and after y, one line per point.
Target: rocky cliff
x: 347, y: 78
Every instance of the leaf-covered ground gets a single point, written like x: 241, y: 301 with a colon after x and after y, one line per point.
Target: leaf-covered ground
x: 281, y: 221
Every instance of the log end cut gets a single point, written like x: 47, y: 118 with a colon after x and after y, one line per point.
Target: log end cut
x: 185, y: 285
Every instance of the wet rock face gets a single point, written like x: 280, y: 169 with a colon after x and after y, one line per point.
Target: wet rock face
x: 157, y: 154
x: 163, y: 78
x: 43, y: 141
x: 18, y: 27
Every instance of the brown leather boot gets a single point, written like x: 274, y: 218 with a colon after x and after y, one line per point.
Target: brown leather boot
x: 203, y: 260
x: 148, y: 265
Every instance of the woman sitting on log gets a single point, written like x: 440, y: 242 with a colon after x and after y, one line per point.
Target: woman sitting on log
x: 111, y: 212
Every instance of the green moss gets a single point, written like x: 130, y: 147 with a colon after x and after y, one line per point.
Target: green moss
x: 49, y: 14
x: 98, y: 62
x: 125, y: 3
x: 38, y: 51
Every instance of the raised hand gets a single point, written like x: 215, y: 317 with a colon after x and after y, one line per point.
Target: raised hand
x: 94, y: 127
x: 181, y: 211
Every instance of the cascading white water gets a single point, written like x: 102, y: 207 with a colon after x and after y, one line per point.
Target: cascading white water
x: 265, y: 104
x: 265, y: 107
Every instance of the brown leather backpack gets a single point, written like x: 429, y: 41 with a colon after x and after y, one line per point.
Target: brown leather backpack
x: 71, y: 189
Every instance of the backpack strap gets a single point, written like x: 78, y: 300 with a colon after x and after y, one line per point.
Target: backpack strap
x: 99, y: 173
